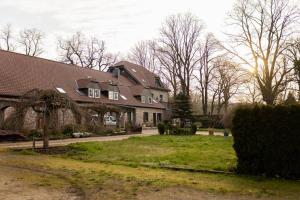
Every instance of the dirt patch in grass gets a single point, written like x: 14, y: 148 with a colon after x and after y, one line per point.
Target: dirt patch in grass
x: 19, y: 184
x: 179, y: 193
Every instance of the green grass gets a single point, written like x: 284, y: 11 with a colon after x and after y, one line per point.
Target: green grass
x: 119, y: 166
x: 194, y: 152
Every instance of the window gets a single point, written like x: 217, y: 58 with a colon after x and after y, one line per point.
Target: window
x: 123, y: 97
x: 143, y: 99
x: 111, y: 95
x: 116, y: 95
x: 159, y: 118
x: 161, y: 97
x: 150, y: 100
x: 91, y: 93
x: 133, y: 70
x: 146, y: 117
x: 60, y: 90
x: 97, y: 93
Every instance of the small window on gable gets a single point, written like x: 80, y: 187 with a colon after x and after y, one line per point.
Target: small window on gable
x: 97, y: 93
x: 143, y: 99
x: 91, y: 93
x: 111, y: 95
x: 116, y: 95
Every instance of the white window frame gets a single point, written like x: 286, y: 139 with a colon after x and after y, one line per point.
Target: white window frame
x: 143, y: 99
x: 116, y: 95
x: 91, y: 93
x: 97, y: 96
x: 111, y: 95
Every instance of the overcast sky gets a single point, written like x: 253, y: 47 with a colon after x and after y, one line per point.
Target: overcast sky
x: 121, y: 23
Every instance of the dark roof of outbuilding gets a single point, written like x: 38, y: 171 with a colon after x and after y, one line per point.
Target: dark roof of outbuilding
x: 20, y: 73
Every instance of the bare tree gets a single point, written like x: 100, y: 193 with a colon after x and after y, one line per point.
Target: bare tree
x: 30, y: 41
x: 144, y: 54
x: 259, y: 39
x: 178, y: 46
x: 295, y: 57
x: 168, y: 69
x: 6, y: 38
x: 230, y: 77
x: 205, y: 70
x: 89, y: 53
x: 251, y: 90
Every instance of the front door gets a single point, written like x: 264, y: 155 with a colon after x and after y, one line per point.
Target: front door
x: 154, y: 119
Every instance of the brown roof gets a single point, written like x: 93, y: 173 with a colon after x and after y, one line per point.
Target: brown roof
x: 20, y: 73
x: 143, y: 75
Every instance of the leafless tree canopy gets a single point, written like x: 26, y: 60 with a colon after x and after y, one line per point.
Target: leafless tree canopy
x: 261, y: 31
x: 177, y: 48
x: 30, y: 41
x: 89, y: 53
x: 229, y: 77
x: 144, y: 54
x: 6, y: 38
x: 205, y: 68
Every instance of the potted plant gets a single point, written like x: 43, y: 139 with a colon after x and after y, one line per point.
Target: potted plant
x: 210, y: 131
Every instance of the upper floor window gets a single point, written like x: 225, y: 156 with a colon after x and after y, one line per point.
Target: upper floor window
x: 161, y: 98
x: 91, y: 92
x: 158, y: 82
x: 150, y: 100
x: 97, y: 93
x: 143, y: 99
x: 113, y: 95
x: 116, y: 95
x: 110, y: 95
x: 94, y: 93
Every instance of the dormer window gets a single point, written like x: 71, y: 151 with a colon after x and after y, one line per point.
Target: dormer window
x: 94, y: 93
x: 143, y: 99
x: 91, y: 92
x: 158, y: 82
x: 89, y: 87
x: 116, y: 95
x: 113, y: 95
x: 97, y: 93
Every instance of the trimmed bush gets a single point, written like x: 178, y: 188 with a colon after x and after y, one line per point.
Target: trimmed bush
x: 67, y: 130
x: 267, y: 140
x: 193, y: 129
x: 180, y: 131
x: 161, y: 129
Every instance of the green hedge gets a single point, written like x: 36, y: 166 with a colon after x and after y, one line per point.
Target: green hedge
x: 267, y: 140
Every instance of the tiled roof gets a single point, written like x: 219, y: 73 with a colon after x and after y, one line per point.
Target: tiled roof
x: 20, y: 73
x: 143, y: 75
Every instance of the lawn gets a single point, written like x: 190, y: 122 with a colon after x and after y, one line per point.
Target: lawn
x: 191, y: 152
x: 120, y: 170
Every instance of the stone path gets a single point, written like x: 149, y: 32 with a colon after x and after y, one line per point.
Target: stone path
x: 63, y: 142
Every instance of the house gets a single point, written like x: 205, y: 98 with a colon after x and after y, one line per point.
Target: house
x: 140, y: 94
